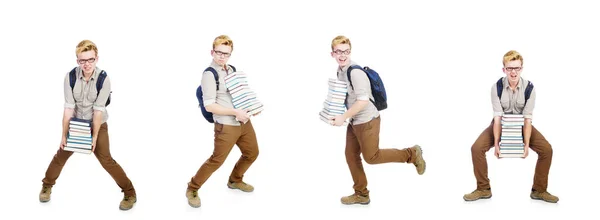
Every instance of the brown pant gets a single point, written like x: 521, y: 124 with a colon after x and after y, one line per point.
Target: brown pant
x: 364, y: 138
x: 226, y: 137
x: 102, y: 153
x: 537, y: 143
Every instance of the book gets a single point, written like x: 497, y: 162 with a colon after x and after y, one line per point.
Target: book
x: 335, y: 101
x: 79, y: 137
x: 511, y: 137
x: 243, y: 97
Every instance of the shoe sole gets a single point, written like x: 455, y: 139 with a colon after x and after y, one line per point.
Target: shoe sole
x: 420, y: 156
x: 358, y: 203
x: 231, y: 187
x: 536, y: 198
x: 193, y: 206
x: 44, y: 201
x: 483, y: 197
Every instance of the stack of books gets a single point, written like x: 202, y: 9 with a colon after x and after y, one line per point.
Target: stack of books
x: 242, y: 96
x: 334, y: 104
x: 79, y: 138
x: 511, y: 138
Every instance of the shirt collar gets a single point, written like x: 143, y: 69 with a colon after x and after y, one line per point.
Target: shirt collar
x: 519, y: 84
x: 345, y: 68
x: 94, y: 74
x: 218, y: 67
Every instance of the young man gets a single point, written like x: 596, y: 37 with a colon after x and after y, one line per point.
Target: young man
x: 84, y: 102
x: 231, y: 126
x: 362, y: 135
x: 512, y: 102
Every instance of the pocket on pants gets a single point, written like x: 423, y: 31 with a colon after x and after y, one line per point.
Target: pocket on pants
x: 218, y: 128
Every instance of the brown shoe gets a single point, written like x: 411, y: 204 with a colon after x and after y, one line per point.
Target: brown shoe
x: 45, y: 193
x: 241, y: 186
x: 127, y: 202
x: 355, y: 199
x: 419, y: 161
x: 545, y: 196
x: 193, y: 199
x: 478, y: 194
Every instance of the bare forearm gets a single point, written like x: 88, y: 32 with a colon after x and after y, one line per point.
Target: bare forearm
x: 355, y: 108
x: 497, y: 128
x: 96, y: 123
x: 527, y: 131
x: 67, y: 115
x: 219, y: 110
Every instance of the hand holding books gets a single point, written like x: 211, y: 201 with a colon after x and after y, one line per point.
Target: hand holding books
x: 339, y: 120
x: 241, y: 115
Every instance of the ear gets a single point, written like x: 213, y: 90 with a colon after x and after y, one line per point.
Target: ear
x: 97, y: 58
x: 212, y: 52
x: 331, y: 54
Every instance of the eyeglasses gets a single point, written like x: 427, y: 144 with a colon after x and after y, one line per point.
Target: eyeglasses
x: 340, y: 52
x: 221, y: 53
x: 509, y: 69
x: 83, y: 61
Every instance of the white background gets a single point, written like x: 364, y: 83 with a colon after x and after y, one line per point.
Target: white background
x: 438, y: 61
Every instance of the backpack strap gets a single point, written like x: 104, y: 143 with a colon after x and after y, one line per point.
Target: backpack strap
x: 350, y: 70
x: 72, y: 78
x: 215, y: 74
x: 233, y: 67
x: 500, y: 87
x: 528, y: 90
x: 100, y: 82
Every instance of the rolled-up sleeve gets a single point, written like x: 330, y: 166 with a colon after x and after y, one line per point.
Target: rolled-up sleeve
x: 209, y: 88
x: 100, y: 103
x: 361, y: 83
x: 496, y: 106
x: 528, y: 109
x: 68, y: 92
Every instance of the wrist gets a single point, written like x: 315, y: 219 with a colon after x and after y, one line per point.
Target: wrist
x: 346, y: 115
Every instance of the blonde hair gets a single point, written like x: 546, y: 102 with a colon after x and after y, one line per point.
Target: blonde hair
x: 86, y: 45
x: 511, y: 56
x: 340, y: 40
x: 223, y: 40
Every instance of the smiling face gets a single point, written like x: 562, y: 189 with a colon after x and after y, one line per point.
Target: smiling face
x: 341, y: 50
x: 341, y: 54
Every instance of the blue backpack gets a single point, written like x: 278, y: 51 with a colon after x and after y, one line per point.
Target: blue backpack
x: 500, y: 88
x: 377, y: 88
x: 208, y: 115
x: 99, y: 82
